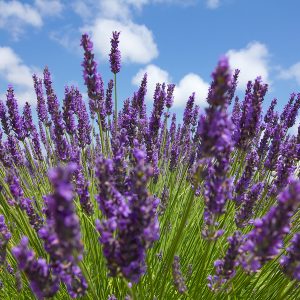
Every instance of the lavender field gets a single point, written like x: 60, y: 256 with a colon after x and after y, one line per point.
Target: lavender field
x: 105, y: 202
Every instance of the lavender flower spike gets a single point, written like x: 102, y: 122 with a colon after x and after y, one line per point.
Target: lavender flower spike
x: 115, y: 54
x: 225, y: 268
x: 37, y: 270
x: 291, y: 262
x: 179, y: 281
x: 266, y: 239
x: 5, y: 236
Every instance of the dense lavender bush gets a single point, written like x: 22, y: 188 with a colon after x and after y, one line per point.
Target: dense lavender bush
x: 103, y: 203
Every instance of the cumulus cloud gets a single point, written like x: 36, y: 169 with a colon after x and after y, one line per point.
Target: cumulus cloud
x: 136, y: 41
x: 213, y: 4
x: 15, y: 72
x: 15, y: 15
x: 49, y: 7
x: 186, y: 86
x: 291, y: 73
x: 253, y: 61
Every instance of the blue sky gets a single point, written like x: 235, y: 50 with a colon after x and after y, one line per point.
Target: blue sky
x: 173, y: 40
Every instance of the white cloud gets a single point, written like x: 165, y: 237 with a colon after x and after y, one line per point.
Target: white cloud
x: 14, y: 15
x: 49, y: 7
x: 136, y: 41
x: 213, y: 4
x: 187, y: 85
x: 15, y: 72
x: 291, y: 73
x: 253, y: 61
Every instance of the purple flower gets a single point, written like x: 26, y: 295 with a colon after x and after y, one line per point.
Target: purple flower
x: 273, y: 153
x: 27, y: 120
x: 244, y: 181
x: 245, y: 212
x: 42, y: 283
x: 41, y: 104
x: 130, y: 225
x: 140, y: 99
x: 249, y: 123
x: 5, y: 236
x: 83, y: 127
x: 115, y: 54
x: 291, y: 262
x: 68, y: 110
x: 14, y: 187
x: 16, y: 121
x: 52, y: 102
x: 82, y: 189
x: 170, y: 97
x: 36, y: 144
x: 4, y: 119
x: 34, y: 219
x: 13, y: 147
x: 225, y: 268
x: 61, y: 234
x: 178, y: 278
x: 286, y: 166
x: 216, y: 144
x: 270, y: 112
x: 236, y: 112
x: 233, y: 85
x: 265, y: 241
x: 108, y: 99
x: 93, y: 81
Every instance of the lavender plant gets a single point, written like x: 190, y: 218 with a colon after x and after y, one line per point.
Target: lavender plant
x: 104, y: 203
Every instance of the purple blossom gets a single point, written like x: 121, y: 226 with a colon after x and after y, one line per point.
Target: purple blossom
x: 245, y: 212
x: 13, y: 147
x: 216, y: 143
x: 178, y: 278
x: 291, y: 262
x: 42, y: 283
x: 34, y: 219
x: 244, y: 181
x: 285, y: 166
x: 68, y: 110
x: 266, y: 239
x: 270, y: 112
x: 4, y: 119
x: 130, y: 225
x: 108, y: 99
x: 82, y: 189
x: 41, y: 104
x: 115, y: 54
x: 233, y: 85
x: 170, y: 97
x: 274, y: 150
x: 93, y: 81
x: 251, y: 113
x: 225, y: 268
x: 27, y: 120
x: 16, y: 121
x: 15, y: 187
x: 5, y: 236
x: 236, y: 112
x: 83, y: 127
x: 36, y: 144
x: 61, y: 234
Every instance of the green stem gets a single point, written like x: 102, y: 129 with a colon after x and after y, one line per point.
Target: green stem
x: 116, y: 102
